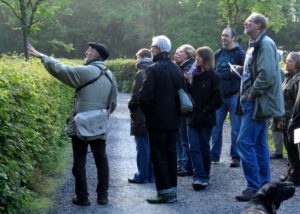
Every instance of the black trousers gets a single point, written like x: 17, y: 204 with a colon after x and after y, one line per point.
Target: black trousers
x: 164, y: 157
x: 80, y: 149
x: 292, y: 152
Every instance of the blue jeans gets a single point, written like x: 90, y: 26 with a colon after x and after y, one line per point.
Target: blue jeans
x: 253, y: 148
x: 143, y: 160
x: 200, y: 152
x: 229, y: 105
x: 183, y: 148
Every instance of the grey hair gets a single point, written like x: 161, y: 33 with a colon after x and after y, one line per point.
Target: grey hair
x: 296, y: 57
x: 259, y: 19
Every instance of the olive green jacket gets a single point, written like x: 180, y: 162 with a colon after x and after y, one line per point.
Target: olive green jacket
x: 266, y: 87
x: 93, y: 96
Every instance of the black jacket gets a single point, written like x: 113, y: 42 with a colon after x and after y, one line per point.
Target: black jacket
x: 205, y: 91
x: 138, y: 126
x: 158, y: 96
x: 295, y: 119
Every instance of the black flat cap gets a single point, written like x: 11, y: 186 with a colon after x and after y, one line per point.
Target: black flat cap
x: 100, y: 48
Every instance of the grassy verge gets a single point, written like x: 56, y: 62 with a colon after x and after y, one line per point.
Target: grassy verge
x: 47, y: 185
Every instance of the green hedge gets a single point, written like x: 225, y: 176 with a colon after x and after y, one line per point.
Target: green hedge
x: 33, y: 109
x: 124, y: 71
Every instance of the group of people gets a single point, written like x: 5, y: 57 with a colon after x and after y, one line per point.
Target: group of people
x: 248, y: 85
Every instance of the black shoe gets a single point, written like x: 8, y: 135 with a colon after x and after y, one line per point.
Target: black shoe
x: 294, y: 180
x: 163, y: 198
x: 199, y: 185
x: 76, y: 201
x: 246, y: 195
x: 102, y: 200
x: 183, y: 173
x: 235, y: 163
x: 215, y: 160
x: 276, y: 156
x: 133, y: 181
x: 283, y: 178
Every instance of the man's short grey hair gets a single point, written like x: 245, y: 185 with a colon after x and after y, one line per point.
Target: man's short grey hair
x: 259, y: 19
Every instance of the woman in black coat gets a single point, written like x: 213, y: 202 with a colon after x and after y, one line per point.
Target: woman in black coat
x: 138, y: 128
x: 204, y: 88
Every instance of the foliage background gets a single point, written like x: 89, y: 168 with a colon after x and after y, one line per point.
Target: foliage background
x: 65, y: 27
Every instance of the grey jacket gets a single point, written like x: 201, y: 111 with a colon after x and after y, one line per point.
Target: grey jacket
x: 266, y: 77
x: 93, y: 96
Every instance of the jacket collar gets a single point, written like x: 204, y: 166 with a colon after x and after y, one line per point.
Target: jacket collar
x: 94, y: 60
x: 161, y: 56
x: 187, y: 62
x: 256, y: 43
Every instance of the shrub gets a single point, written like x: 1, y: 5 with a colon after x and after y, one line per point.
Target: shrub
x: 33, y: 108
x: 124, y: 71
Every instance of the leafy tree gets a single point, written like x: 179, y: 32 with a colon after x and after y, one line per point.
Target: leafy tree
x: 29, y: 13
x: 233, y: 12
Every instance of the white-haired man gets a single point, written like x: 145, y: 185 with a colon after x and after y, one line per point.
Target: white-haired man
x: 160, y: 105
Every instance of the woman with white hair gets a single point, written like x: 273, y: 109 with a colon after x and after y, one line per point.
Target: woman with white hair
x: 290, y: 92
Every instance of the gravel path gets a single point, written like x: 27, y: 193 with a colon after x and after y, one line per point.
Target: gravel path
x: 218, y: 198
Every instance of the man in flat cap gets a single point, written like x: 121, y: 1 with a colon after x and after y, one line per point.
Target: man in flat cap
x: 99, y: 94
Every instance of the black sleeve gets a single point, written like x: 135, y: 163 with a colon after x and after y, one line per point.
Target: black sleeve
x: 146, y: 94
x: 133, y: 103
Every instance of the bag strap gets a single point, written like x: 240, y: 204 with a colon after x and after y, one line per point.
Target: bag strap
x: 111, y: 88
x: 93, y: 80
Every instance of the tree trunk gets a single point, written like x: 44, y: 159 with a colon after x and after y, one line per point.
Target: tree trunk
x: 25, y: 27
x: 25, y: 41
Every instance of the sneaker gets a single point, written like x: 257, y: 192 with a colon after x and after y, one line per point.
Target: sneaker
x: 102, y: 200
x: 183, y: 173
x: 215, y: 160
x: 235, y: 163
x: 79, y: 202
x: 276, y: 156
x: 246, y: 195
x: 198, y: 185
x: 163, y: 198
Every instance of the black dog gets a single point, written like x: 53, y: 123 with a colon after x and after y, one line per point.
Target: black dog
x: 268, y: 199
